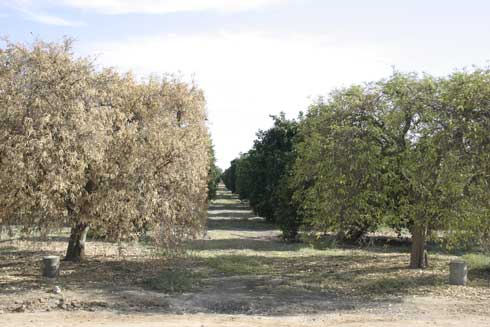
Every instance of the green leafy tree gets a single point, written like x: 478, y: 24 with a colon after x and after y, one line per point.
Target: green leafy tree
x: 339, y: 167
x: 464, y: 123
x: 445, y: 171
x: 214, y: 175
x: 245, y: 182
x: 262, y: 175
x: 408, y: 151
x: 286, y: 209
x: 229, y: 176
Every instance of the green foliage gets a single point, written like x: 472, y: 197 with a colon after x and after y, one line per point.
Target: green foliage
x: 245, y: 175
x: 286, y: 209
x: 338, y: 172
x: 262, y: 175
x: 229, y: 176
x: 408, y: 151
x: 477, y: 261
x: 214, y: 175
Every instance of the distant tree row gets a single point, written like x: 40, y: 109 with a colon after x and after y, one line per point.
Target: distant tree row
x: 261, y: 174
x: 86, y: 148
x: 214, y: 175
x: 409, y: 152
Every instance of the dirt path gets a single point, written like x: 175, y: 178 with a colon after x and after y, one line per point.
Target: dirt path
x: 243, y: 275
x: 59, y: 319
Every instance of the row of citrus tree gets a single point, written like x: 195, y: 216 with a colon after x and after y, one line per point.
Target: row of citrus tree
x: 90, y: 148
x: 409, y: 152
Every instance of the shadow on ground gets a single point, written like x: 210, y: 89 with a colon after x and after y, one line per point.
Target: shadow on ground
x: 243, y: 268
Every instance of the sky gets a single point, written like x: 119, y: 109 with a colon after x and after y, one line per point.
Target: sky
x: 256, y: 58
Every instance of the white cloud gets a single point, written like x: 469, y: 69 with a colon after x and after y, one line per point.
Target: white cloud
x: 36, y: 10
x: 32, y: 11
x: 49, y: 19
x: 115, y: 7
x: 248, y: 76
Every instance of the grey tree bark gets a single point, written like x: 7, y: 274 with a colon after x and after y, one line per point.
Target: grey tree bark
x: 76, y: 244
x: 418, y: 254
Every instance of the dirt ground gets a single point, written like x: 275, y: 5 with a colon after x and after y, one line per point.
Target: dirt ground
x: 240, y: 274
x: 58, y: 319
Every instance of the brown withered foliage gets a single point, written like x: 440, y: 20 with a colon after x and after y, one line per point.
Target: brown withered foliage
x: 98, y: 148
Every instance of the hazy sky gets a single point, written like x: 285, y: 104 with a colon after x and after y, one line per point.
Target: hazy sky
x: 254, y: 58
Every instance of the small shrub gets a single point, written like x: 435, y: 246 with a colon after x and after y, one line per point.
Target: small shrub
x: 477, y: 261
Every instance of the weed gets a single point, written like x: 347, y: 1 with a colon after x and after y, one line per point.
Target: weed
x: 477, y: 261
x: 176, y: 280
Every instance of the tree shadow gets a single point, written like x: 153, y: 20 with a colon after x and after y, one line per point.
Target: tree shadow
x: 240, y: 224
x: 231, y: 214
x: 229, y: 206
x: 479, y: 276
x: 232, y: 283
x: 268, y: 278
x: 38, y: 239
x: 326, y: 283
x: 254, y: 244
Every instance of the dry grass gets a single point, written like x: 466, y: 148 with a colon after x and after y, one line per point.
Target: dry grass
x: 241, y: 267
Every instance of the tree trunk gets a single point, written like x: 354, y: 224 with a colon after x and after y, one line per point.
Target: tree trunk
x: 418, y: 255
x: 76, y: 245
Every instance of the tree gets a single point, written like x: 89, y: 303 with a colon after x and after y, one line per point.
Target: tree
x: 446, y: 169
x: 413, y: 157
x: 229, y: 176
x: 214, y: 175
x: 339, y: 166
x: 465, y: 120
x: 83, y: 149
x: 408, y: 151
x: 286, y: 210
x: 245, y: 177
x: 261, y: 175
x: 433, y: 154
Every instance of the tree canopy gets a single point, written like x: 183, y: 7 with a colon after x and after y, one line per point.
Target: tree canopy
x: 406, y: 152
x: 214, y: 174
x: 409, y: 152
x: 261, y: 175
x: 86, y: 148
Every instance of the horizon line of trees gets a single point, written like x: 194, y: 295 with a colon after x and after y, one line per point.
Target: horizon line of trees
x: 409, y: 152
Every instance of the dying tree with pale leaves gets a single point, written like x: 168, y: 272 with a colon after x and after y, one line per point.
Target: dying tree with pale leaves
x: 84, y: 149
